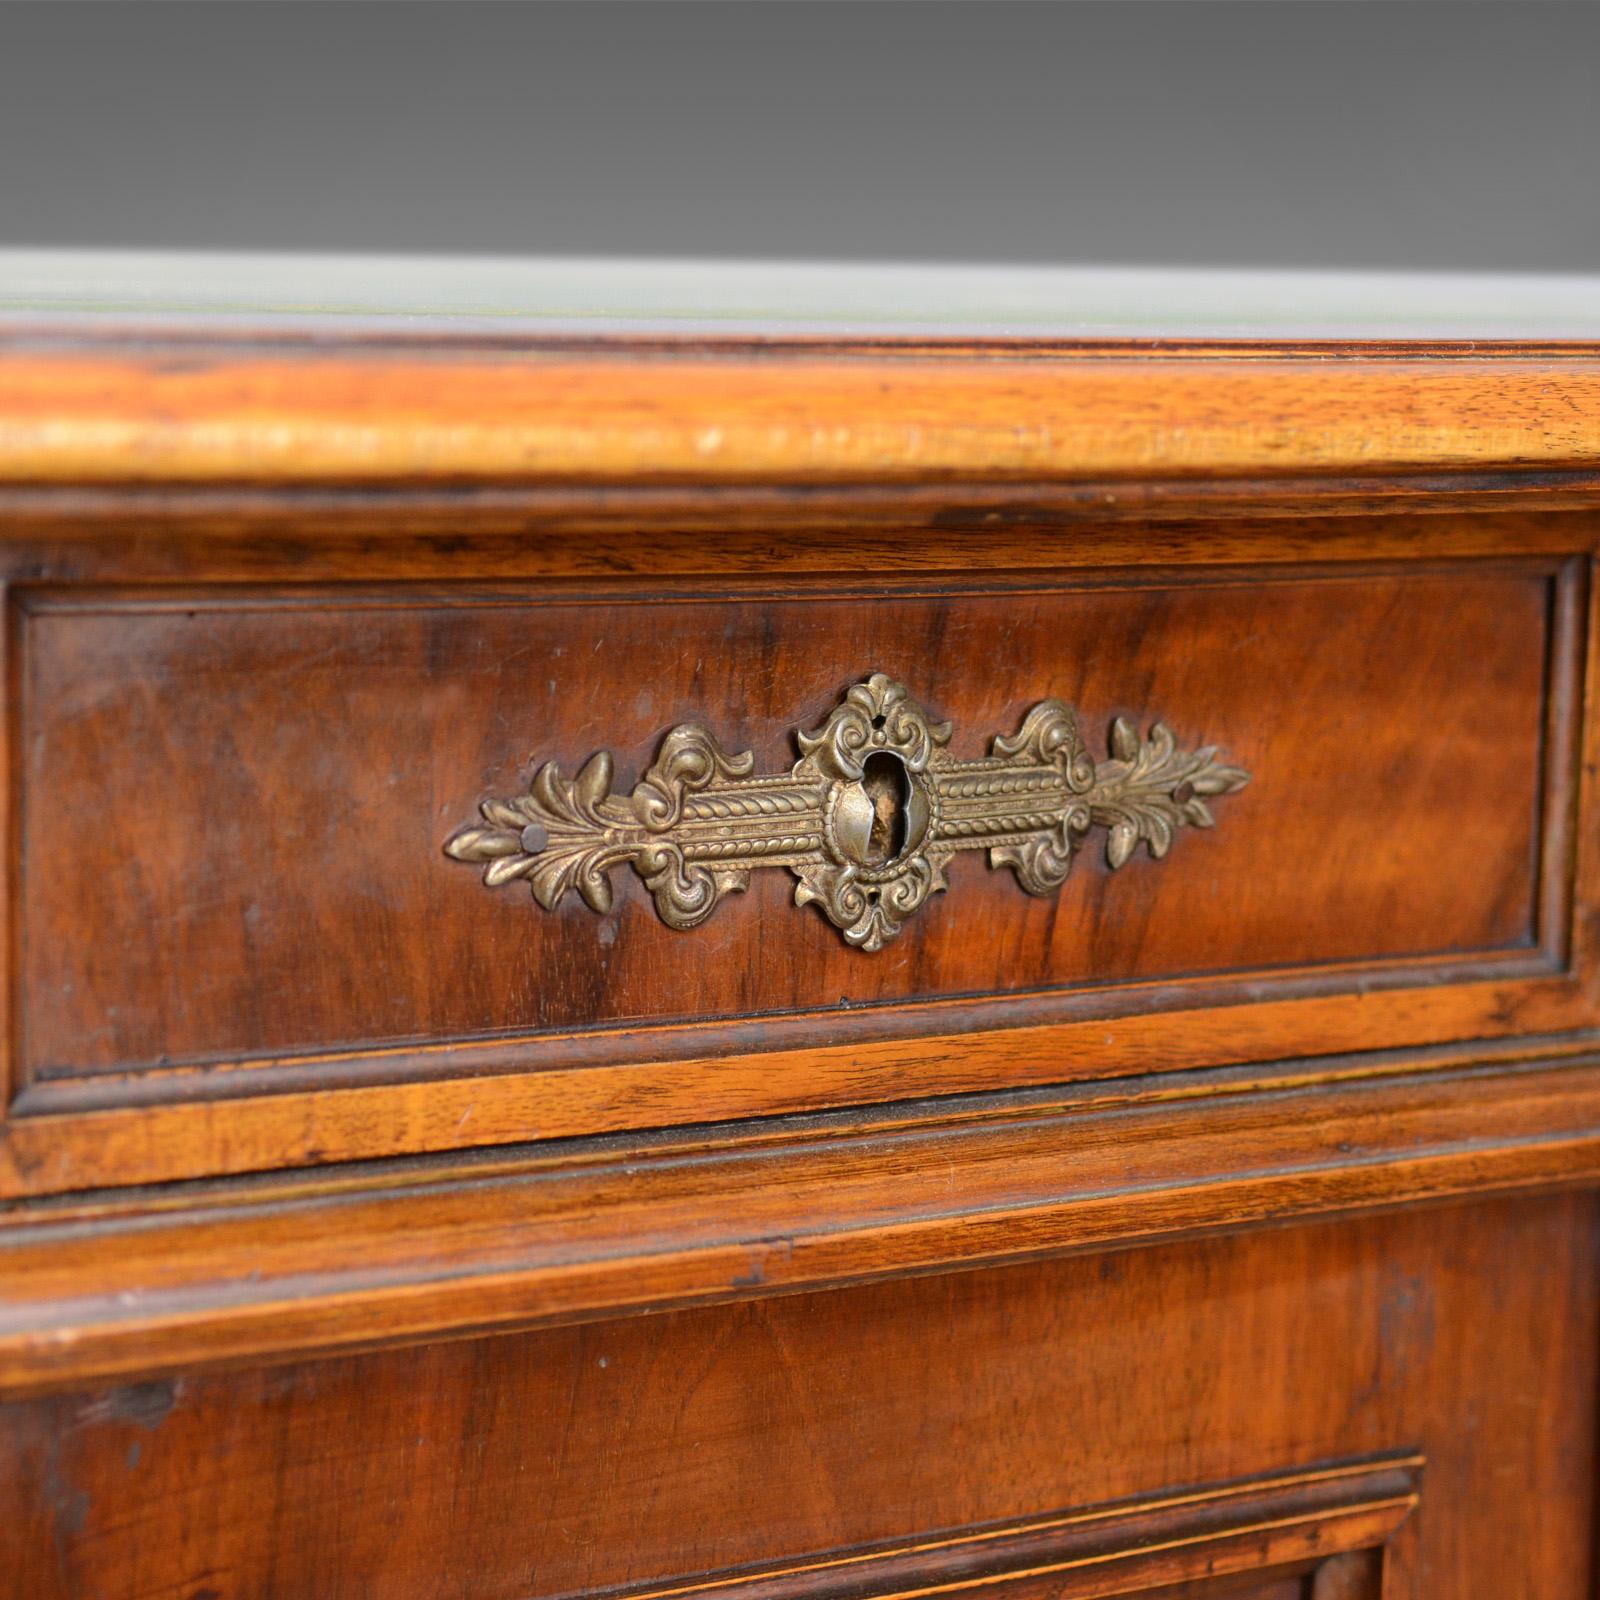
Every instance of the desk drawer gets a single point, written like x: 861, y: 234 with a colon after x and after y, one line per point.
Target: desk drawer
x: 242, y: 943
x: 1296, y: 1414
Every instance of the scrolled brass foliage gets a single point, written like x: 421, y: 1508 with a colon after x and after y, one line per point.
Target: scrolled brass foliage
x: 867, y: 819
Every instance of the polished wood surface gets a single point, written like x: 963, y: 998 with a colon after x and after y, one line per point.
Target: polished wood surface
x: 155, y: 414
x: 1224, y: 1226
x: 268, y: 813
x: 267, y: 787
x: 120, y: 1284
x: 1456, y: 1347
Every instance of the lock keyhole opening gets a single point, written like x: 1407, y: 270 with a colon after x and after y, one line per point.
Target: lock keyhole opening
x: 888, y: 790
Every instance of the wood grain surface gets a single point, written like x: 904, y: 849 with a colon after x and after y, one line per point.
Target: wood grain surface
x: 231, y: 821
x: 1226, y: 1227
x: 268, y: 822
x: 94, y: 411
x: 151, y: 1281
x: 665, y: 1450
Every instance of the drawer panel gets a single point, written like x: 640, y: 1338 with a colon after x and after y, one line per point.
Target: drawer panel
x: 263, y: 789
x: 1236, y: 1409
x: 234, y: 804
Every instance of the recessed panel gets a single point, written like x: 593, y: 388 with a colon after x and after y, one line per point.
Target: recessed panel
x: 234, y: 811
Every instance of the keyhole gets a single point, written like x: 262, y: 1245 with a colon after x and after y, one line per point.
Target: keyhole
x: 883, y: 816
x: 888, y: 790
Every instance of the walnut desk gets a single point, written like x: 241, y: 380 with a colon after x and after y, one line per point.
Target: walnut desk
x: 772, y: 934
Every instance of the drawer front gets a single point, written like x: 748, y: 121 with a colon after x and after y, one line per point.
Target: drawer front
x: 232, y: 883
x: 1297, y: 1411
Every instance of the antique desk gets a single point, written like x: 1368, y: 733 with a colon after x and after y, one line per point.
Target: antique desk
x: 785, y: 935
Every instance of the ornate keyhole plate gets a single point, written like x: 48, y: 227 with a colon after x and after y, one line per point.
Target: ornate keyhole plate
x: 867, y: 819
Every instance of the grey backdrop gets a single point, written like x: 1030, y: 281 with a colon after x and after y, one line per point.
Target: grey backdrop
x: 1407, y: 133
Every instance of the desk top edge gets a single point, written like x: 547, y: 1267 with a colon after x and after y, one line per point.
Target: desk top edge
x: 649, y: 373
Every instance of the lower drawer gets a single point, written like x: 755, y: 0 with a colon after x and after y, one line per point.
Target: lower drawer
x: 1401, y: 1406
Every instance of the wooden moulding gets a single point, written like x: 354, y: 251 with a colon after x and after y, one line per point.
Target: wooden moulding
x: 1285, y: 1525
x: 124, y: 407
x: 123, y: 1287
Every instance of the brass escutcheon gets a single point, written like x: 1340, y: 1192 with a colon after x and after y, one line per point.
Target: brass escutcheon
x: 867, y: 819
